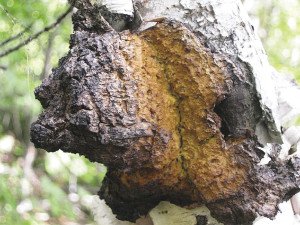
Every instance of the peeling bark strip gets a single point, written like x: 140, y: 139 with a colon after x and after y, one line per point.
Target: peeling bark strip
x: 171, y: 119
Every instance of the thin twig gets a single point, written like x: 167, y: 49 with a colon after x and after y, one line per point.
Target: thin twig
x: 15, y: 37
x: 48, y: 52
x: 35, y: 36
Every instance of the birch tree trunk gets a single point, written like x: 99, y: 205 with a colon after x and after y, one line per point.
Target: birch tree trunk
x: 178, y: 100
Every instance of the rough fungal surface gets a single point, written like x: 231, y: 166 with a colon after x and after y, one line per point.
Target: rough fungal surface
x: 153, y: 107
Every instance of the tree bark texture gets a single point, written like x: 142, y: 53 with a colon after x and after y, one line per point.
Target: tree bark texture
x: 178, y: 100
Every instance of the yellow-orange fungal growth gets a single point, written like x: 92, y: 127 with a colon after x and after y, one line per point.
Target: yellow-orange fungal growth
x: 178, y: 85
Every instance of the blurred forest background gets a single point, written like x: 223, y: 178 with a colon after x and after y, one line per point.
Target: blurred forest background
x: 41, y: 188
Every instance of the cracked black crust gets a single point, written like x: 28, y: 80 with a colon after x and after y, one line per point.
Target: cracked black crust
x: 83, y: 109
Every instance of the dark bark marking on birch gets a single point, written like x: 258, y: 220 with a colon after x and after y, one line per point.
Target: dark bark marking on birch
x: 144, y: 105
x: 201, y: 220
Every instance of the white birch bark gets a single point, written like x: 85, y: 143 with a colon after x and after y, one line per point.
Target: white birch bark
x: 117, y: 6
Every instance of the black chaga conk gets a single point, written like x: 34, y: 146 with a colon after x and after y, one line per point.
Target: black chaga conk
x: 165, y: 115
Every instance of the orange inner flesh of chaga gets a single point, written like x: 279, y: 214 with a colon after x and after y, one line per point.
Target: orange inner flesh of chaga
x: 178, y: 86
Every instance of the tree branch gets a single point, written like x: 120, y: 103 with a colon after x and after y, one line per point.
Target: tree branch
x: 35, y: 36
x: 15, y: 36
x: 3, y: 67
x: 47, y: 52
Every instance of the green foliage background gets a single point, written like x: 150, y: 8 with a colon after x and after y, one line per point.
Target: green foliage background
x: 56, y: 188
x: 278, y: 23
x: 35, y: 187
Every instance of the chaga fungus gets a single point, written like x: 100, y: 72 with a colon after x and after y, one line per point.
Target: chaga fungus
x: 143, y: 104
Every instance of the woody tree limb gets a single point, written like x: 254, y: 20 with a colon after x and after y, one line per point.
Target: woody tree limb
x: 31, y: 38
x: 178, y: 100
